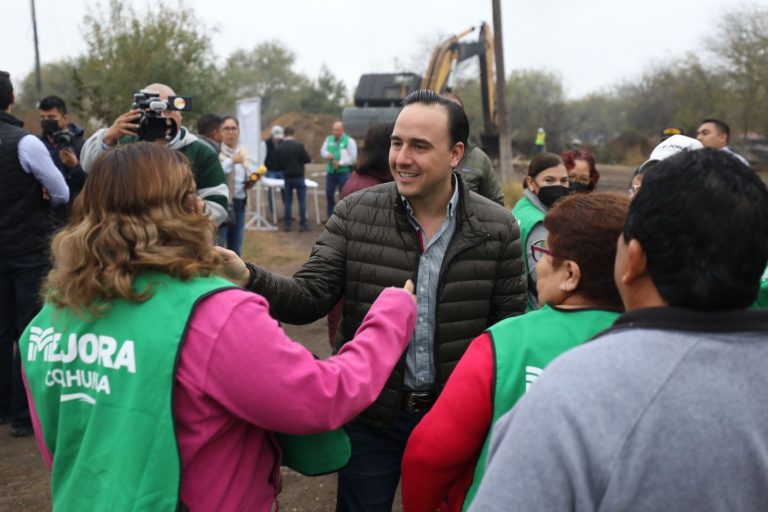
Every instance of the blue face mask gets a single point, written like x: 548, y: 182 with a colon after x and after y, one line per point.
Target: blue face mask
x: 549, y: 195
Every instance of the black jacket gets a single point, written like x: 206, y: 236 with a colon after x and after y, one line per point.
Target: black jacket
x: 25, y: 217
x: 291, y: 157
x: 74, y: 177
x: 368, y: 244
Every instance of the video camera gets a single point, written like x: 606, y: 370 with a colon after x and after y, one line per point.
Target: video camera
x: 60, y: 137
x: 152, y: 124
x: 63, y: 137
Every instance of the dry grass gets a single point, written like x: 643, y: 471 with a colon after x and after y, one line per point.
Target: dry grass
x: 512, y: 193
x: 274, y: 250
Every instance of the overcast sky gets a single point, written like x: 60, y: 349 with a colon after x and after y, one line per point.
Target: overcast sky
x: 591, y: 44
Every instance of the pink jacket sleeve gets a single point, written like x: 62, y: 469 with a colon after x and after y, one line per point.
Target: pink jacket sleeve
x: 262, y: 376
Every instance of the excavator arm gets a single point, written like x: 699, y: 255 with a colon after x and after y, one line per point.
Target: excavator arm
x: 442, y: 69
x: 379, y: 97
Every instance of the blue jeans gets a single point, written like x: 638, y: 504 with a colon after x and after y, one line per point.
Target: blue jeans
x: 300, y: 186
x: 333, y: 181
x: 279, y: 176
x: 369, y: 482
x: 20, y: 281
x: 231, y: 235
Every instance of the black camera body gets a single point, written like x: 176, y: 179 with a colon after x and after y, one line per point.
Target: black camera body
x: 152, y: 124
x: 63, y: 137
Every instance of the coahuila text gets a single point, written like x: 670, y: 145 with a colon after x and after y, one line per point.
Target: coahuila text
x: 90, y: 349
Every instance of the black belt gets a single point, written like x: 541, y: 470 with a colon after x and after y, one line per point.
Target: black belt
x: 417, y: 401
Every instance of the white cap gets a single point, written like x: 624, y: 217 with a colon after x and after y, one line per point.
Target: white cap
x: 277, y: 131
x: 672, y: 146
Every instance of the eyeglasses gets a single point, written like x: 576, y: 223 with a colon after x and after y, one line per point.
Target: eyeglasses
x: 228, y: 128
x: 581, y: 181
x: 539, y: 249
x: 633, y: 190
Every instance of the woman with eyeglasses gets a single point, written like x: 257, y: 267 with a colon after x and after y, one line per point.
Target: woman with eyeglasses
x: 156, y: 385
x: 582, y: 170
x: 546, y: 182
x: 445, y: 456
x: 238, y: 167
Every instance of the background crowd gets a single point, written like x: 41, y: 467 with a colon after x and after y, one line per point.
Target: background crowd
x: 471, y: 382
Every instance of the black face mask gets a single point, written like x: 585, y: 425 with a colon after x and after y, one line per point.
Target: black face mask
x: 549, y: 195
x: 579, y: 187
x: 49, y: 126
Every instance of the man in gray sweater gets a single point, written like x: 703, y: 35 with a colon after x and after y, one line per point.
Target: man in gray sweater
x: 668, y: 409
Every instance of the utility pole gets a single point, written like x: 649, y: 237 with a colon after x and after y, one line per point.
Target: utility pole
x: 505, y: 142
x: 38, y: 79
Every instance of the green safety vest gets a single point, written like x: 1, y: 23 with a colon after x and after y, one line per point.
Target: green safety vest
x: 762, y: 295
x: 527, y: 215
x: 334, y: 147
x: 522, y: 347
x: 541, y: 138
x: 102, y: 388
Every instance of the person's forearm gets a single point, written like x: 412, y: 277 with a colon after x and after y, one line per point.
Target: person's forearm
x: 36, y: 160
x: 92, y: 148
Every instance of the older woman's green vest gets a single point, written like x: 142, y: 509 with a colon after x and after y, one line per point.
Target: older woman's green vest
x: 762, y: 294
x: 522, y: 347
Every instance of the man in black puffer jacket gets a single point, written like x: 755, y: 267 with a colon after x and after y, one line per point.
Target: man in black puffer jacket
x: 461, y: 250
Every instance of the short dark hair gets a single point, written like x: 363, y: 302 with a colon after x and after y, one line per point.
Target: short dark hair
x: 289, y: 131
x: 702, y: 220
x: 569, y: 159
x: 208, y: 124
x: 454, y: 97
x: 541, y: 163
x: 584, y: 228
x: 458, y: 124
x: 6, y: 90
x: 721, y: 126
x: 373, y: 159
x: 52, y: 102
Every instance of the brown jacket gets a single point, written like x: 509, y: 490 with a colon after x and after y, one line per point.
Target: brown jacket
x: 368, y: 244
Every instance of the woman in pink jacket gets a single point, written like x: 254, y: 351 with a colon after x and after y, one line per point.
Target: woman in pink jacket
x: 154, y: 384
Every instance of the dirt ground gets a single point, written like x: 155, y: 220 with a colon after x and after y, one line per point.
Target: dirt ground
x: 24, y: 480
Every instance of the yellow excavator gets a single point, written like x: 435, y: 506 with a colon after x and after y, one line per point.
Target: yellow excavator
x: 379, y: 96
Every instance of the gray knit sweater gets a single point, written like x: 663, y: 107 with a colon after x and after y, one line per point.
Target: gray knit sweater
x: 666, y: 411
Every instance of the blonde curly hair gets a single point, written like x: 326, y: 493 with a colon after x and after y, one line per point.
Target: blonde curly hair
x: 136, y: 213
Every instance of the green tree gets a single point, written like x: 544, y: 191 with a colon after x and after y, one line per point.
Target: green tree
x: 536, y: 99
x: 57, y: 79
x: 327, y: 94
x: 267, y: 71
x: 596, y: 118
x: 741, y: 45
x: 676, y: 94
x: 129, y: 50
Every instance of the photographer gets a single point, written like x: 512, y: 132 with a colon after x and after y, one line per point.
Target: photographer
x: 64, y: 140
x: 141, y: 123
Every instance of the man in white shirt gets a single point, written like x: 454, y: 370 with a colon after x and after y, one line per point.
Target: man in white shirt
x: 340, y: 150
x: 714, y: 133
x: 30, y: 183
